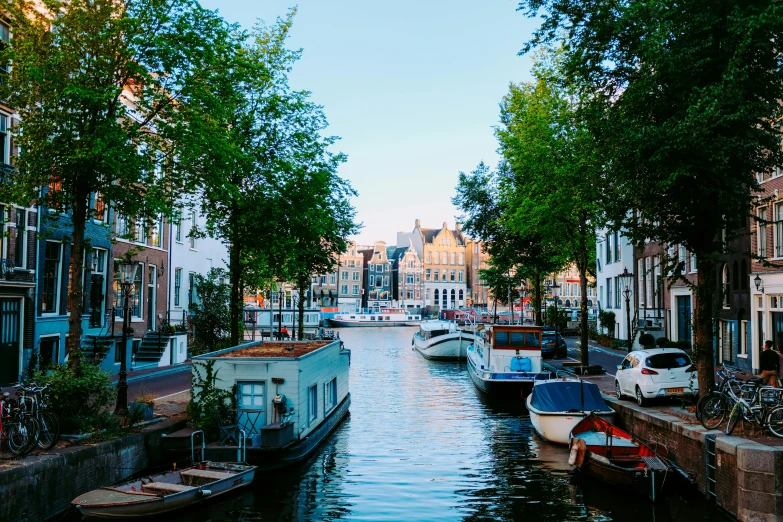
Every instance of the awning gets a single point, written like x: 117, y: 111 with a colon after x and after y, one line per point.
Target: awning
x: 565, y: 396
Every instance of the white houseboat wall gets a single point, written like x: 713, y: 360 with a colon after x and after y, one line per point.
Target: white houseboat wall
x: 290, y: 394
x: 259, y: 322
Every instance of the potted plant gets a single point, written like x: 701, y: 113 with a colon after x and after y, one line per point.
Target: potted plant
x: 143, y: 407
x: 647, y: 340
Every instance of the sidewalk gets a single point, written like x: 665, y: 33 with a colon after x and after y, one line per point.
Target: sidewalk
x: 136, y: 375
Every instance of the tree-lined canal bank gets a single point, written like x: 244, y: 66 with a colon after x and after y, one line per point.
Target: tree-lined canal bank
x: 422, y: 443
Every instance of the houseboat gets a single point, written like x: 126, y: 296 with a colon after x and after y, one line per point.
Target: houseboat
x: 290, y: 396
x: 442, y: 340
x: 381, y: 317
x: 506, y: 360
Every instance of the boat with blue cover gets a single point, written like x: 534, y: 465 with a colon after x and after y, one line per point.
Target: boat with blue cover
x: 506, y: 359
x: 557, y: 405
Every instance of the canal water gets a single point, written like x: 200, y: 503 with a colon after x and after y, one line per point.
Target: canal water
x: 422, y: 443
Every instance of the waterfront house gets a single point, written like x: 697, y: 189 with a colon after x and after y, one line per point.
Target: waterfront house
x: 407, y: 278
x: 478, y: 294
x: 351, y: 269
x: 614, y: 254
x: 290, y: 394
x: 377, y: 277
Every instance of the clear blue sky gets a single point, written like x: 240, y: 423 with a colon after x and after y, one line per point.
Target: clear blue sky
x: 412, y: 87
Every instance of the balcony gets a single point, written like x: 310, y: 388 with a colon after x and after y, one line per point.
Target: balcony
x: 6, y: 268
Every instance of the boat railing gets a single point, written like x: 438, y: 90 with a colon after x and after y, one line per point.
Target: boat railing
x: 193, y: 446
x: 242, y: 448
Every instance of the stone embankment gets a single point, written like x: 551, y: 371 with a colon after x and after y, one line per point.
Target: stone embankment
x: 39, y: 487
x: 748, y: 477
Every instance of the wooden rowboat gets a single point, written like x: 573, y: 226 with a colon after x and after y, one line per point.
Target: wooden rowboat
x: 156, y: 494
x: 604, y: 451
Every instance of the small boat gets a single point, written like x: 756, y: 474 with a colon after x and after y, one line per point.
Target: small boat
x: 506, y: 360
x: 154, y: 495
x: 442, y: 340
x: 604, y: 451
x: 557, y: 405
x: 382, y: 317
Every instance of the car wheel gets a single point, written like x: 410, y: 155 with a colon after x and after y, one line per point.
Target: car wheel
x: 640, y: 400
x: 617, y: 390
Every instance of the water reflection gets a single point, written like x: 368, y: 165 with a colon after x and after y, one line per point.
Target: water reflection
x: 422, y: 443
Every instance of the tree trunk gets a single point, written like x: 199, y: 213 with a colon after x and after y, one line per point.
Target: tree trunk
x: 703, y: 323
x: 302, y: 290
x: 235, y: 251
x: 75, y: 289
x: 583, y: 333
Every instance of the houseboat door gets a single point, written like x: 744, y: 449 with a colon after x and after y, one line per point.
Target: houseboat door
x: 250, y: 406
x: 10, y: 335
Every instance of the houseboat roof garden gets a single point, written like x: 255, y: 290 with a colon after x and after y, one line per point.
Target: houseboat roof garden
x: 281, y: 349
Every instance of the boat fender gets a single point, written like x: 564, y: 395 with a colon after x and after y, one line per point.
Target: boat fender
x: 204, y: 492
x: 577, y: 456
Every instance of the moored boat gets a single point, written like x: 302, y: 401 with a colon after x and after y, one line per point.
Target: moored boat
x: 155, y: 495
x: 557, y: 405
x: 506, y: 360
x: 604, y: 451
x: 382, y: 317
x: 442, y: 340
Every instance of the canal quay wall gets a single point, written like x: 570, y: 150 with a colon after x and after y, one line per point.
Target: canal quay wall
x: 749, y: 474
x: 39, y: 487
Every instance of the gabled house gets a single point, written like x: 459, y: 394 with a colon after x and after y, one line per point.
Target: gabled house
x: 407, y: 278
x: 377, y: 277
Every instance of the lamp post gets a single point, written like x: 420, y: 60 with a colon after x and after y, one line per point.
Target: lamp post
x: 294, y: 302
x: 127, y: 274
x: 627, y: 278
x: 757, y: 282
x: 553, y: 287
x: 280, y: 295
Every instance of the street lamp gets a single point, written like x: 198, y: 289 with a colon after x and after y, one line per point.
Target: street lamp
x: 757, y: 282
x: 294, y: 302
x: 553, y: 287
x: 127, y: 273
x: 280, y: 296
x: 627, y: 279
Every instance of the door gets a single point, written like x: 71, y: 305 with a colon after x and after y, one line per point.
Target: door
x: 777, y: 331
x: 10, y: 336
x: 622, y: 373
x: 250, y: 406
x: 684, y: 318
x: 151, y: 280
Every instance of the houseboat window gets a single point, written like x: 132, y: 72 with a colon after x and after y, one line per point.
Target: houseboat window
x: 330, y: 395
x: 531, y: 338
x: 250, y: 402
x: 312, y: 403
x: 517, y: 338
x: 501, y: 338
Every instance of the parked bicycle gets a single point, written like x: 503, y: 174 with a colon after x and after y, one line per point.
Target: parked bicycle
x: 35, y: 399
x: 17, y: 427
x: 761, y: 407
x: 712, y: 407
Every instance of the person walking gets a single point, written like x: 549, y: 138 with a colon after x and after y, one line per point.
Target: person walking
x: 769, y: 364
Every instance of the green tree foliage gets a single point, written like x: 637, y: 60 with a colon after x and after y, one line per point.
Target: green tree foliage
x: 503, y: 285
x: 608, y: 320
x: 687, y: 103
x: 209, y: 401
x: 554, y: 174
x: 99, y: 86
x: 210, y: 312
x: 79, y: 398
x: 488, y: 212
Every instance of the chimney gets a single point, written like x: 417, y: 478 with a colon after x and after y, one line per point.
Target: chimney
x: 458, y: 227
x: 418, y: 223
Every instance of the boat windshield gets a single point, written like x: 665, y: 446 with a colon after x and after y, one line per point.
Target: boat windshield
x: 668, y: 360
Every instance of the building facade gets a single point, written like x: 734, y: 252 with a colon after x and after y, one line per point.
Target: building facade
x: 351, y: 270
x: 377, y: 277
x: 614, y: 254
x: 478, y: 295
x: 408, y: 278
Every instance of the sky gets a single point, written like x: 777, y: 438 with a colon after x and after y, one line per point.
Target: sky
x: 411, y: 87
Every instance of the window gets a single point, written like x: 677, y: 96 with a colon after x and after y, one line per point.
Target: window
x: 462, y: 258
x: 372, y: 280
x: 609, y: 300
x: 409, y: 279
x: 312, y: 403
x: 5, y: 37
x: 50, y: 294
x: 330, y: 395
x: 641, y: 275
x: 157, y: 232
x: 177, y: 285
x: 779, y: 230
x: 693, y: 262
x: 617, y: 292
x: 453, y: 258
x: 136, y: 298
x: 385, y: 280
x: 98, y: 208
x: 49, y: 351
x: 762, y: 232
x: 178, y: 229
x: 411, y: 263
x: 444, y: 258
x: 608, y: 248
x: 681, y: 256
x: 725, y: 278
x: 428, y: 258
x: 372, y: 268
x: 418, y: 278
x: 332, y: 279
x: 250, y: 405
x: 356, y: 276
x: 344, y: 276
x: 5, y: 141
x: 191, y: 288
x: 20, y: 249
x: 461, y: 278
x: 428, y: 275
x: 437, y: 297
x: 355, y: 290
x: 453, y: 275
x: 617, y: 246
x: 437, y: 275
x: 193, y: 229
x: 140, y: 231
x: 344, y: 289
x: 123, y: 226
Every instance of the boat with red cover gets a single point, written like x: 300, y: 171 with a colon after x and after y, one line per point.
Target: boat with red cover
x: 604, y: 451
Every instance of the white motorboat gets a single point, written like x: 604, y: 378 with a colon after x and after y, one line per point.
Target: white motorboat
x: 382, y: 317
x: 506, y: 359
x: 442, y: 340
x: 557, y: 405
x: 155, y: 495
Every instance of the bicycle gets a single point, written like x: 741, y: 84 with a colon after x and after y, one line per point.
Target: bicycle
x: 16, y: 427
x: 712, y: 407
x: 762, y: 409
x: 48, y: 424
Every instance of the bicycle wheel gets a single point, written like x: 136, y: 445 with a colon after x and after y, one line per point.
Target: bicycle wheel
x: 47, y: 430
x: 775, y: 421
x: 734, y: 417
x: 714, y: 408
x: 17, y: 439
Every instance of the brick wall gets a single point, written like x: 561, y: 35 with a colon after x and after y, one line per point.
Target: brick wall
x: 772, y: 192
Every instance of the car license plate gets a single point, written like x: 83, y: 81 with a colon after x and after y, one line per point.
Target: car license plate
x: 675, y: 390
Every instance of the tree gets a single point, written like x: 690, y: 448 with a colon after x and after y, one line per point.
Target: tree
x: 487, y: 212
x: 687, y: 103
x: 502, y: 283
x: 96, y: 109
x: 210, y: 312
x: 554, y: 173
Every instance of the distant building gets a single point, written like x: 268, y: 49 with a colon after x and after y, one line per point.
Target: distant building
x: 377, y: 277
x: 351, y: 270
x: 443, y: 253
x: 408, y: 278
x: 478, y: 293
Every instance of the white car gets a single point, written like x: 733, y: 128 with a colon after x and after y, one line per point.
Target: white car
x: 662, y: 372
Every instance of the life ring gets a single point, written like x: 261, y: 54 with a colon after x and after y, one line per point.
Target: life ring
x: 578, y: 450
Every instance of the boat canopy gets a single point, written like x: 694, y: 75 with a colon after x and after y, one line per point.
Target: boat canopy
x: 565, y: 396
